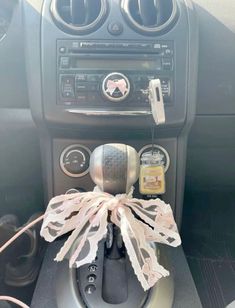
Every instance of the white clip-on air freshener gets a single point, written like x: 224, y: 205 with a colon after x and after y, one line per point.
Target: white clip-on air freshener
x: 156, y: 101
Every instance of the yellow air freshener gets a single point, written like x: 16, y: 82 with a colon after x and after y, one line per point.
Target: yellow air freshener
x: 152, y: 174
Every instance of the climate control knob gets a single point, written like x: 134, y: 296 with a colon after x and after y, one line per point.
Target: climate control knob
x: 116, y: 87
x: 74, y: 160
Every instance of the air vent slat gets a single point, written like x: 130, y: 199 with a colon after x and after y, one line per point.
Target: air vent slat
x: 91, y: 9
x: 78, y: 12
x: 88, y: 11
x: 162, y: 11
x: 79, y: 16
x: 147, y: 12
x: 150, y: 16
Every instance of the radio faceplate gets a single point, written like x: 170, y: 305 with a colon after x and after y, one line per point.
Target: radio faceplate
x: 81, y: 75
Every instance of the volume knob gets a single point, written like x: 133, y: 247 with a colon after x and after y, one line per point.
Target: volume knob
x: 116, y: 87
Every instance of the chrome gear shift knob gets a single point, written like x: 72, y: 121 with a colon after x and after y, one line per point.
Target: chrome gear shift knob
x: 114, y: 168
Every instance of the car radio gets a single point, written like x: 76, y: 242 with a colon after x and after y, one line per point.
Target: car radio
x: 97, y: 74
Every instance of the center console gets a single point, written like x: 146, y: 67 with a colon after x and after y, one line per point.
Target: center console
x: 89, y: 67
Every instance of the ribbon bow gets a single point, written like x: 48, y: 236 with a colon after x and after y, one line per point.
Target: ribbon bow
x: 86, y: 214
x: 112, y: 85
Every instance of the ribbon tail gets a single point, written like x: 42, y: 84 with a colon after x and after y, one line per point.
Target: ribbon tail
x: 142, y: 255
x: 90, y: 240
x: 164, y: 228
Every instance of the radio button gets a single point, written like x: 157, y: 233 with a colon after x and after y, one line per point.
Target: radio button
x: 92, y: 86
x: 67, y: 86
x: 166, y: 88
x: 168, y: 49
x: 75, y: 44
x: 81, y: 77
x: 157, y: 47
x: 62, y: 49
x: 92, y: 77
x: 64, y: 62
x: 168, y: 52
x: 167, y: 64
x: 81, y: 98
x: 115, y: 28
x: 81, y: 87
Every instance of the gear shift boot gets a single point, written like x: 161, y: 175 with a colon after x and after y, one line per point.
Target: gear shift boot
x: 108, y: 282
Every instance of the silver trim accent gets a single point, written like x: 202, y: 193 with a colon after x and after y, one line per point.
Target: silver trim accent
x: 133, y: 167
x: 113, y: 99
x: 3, y: 37
x: 110, y: 112
x: 96, y: 167
x: 73, y: 146
x: 72, y: 191
x: 156, y: 146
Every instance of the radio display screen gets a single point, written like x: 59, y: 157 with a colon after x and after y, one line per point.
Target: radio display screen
x: 124, y: 64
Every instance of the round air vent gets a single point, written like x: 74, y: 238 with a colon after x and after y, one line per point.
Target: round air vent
x: 79, y: 16
x: 150, y: 17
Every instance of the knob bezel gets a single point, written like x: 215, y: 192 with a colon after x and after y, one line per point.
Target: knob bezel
x: 157, y: 147
x: 116, y: 99
x: 65, y: 171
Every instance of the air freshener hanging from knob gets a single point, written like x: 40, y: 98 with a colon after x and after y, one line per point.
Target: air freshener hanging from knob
x: 152, y: 174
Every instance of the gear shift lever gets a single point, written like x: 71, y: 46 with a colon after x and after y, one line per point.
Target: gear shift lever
x: 114, y: 168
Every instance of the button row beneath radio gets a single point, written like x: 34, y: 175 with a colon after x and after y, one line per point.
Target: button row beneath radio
x: 80, y: 89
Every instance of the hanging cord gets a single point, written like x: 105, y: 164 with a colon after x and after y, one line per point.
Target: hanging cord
x: 152, y: 137
x: 8, y: 243
x: 18, y: 234
x: 153, y: 134
x: 13, y: 300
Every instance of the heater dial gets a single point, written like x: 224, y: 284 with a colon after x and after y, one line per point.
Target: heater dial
x: 74, y: 160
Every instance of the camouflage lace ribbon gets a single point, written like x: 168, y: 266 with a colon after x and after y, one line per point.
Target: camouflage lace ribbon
x: 86, y: 215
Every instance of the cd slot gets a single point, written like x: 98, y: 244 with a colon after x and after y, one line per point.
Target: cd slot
x: 108, y: 51
x: 159, y: 48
